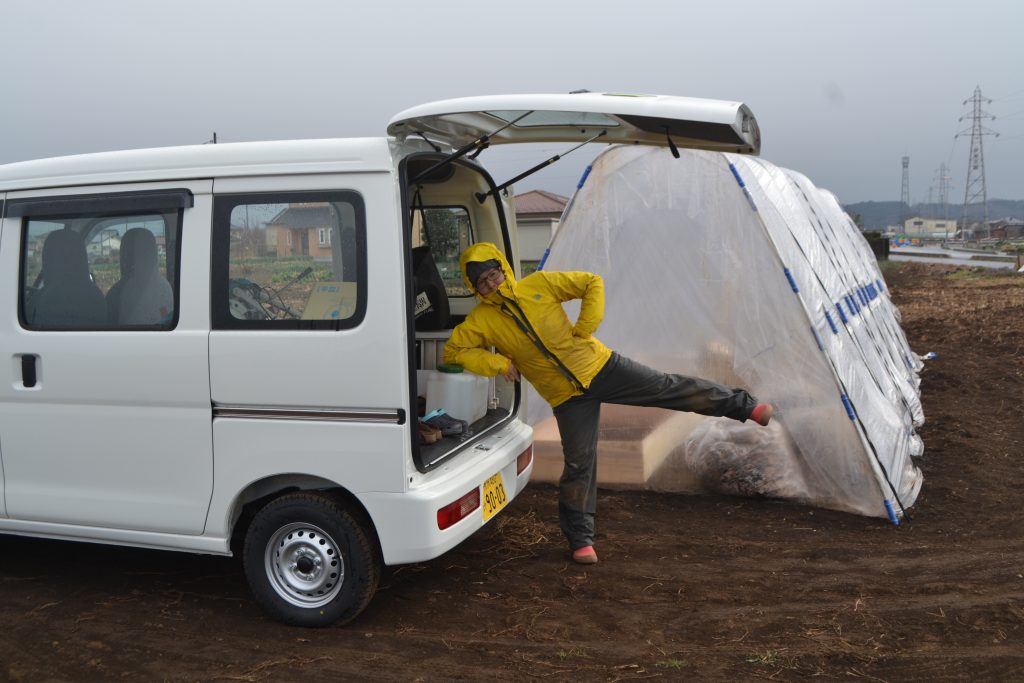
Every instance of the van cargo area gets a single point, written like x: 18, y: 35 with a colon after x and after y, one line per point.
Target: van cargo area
x: 446, y: 215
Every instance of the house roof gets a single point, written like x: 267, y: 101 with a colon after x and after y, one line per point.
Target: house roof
x: 539, y: 201
x: 303, y: 217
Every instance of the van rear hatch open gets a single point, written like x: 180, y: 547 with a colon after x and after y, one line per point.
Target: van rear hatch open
x: 662, y: 120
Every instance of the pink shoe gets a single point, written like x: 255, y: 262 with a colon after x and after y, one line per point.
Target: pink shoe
x: 762, y: 413
x: 585, y: 555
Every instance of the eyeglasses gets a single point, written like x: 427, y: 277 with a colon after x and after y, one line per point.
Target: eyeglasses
x: 491, y: 278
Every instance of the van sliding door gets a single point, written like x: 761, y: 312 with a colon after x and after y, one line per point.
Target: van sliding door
x: 105, y: 409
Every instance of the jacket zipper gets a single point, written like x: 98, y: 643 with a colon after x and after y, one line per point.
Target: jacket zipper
x: 527, y: 328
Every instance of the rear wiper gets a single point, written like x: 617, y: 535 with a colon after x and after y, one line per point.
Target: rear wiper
x: 480, y: 143
x: 482, y: 196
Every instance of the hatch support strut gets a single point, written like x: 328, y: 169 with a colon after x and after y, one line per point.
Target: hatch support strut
x: 480, y: 143
x: 482, y: 196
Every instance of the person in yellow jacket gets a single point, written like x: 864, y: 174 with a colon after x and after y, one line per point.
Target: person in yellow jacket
x: 571, y: 369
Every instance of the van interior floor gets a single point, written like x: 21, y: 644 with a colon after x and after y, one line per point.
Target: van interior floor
x: 429, y: 453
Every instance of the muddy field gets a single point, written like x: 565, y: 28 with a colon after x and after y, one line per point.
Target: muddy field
x: 689, y: 587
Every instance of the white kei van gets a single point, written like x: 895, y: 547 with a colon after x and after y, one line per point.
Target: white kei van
x: 223, y: 347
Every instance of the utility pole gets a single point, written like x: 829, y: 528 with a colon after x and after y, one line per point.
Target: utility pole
x: 974, y: 188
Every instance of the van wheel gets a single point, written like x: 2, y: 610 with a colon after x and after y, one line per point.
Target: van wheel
x: 309, y: 562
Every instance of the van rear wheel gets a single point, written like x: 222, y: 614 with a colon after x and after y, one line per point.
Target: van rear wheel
x: 309, y: 562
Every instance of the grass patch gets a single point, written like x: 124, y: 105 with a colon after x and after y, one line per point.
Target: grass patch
x: 887, y: 266
x: 974, y: 273
x: 676, y: 664
x: 768, y: 658
x: 572, y: 653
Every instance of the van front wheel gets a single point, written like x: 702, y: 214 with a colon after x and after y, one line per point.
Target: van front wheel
x: 309, y: 562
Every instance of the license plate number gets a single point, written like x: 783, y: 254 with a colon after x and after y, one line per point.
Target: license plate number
x: 494, y: 496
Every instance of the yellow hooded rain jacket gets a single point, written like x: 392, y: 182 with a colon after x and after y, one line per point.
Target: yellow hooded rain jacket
x: 526, y: 323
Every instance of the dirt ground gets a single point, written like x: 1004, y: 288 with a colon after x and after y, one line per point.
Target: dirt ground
x: 688, y: 587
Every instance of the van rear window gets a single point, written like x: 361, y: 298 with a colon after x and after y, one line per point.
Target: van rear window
x: 289, y: 261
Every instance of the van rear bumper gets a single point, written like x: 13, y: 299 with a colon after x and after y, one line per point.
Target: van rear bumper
x: 407, y: 522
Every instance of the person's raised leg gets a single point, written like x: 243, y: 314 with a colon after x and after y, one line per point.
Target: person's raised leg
x: 628, y: 382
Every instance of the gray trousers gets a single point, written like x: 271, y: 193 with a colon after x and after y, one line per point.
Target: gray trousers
x: 626, y: 382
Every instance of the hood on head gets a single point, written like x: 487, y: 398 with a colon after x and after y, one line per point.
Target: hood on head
x: 485, y: 251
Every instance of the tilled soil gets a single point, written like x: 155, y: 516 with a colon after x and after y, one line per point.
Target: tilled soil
x: 688, y: 587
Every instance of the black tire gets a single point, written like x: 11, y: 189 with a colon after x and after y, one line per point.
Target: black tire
x: 309, y: 562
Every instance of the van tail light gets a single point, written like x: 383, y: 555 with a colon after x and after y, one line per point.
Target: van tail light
x: 453, y: 512
x: 524, y: 459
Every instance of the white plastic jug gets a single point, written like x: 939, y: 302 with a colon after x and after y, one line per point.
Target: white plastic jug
x: 459, y: 393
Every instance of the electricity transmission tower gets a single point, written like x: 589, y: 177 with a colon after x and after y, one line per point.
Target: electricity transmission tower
x: 940, y: 184
x: 905, y: 192
x: 974, y: 188
x: 942, y: 179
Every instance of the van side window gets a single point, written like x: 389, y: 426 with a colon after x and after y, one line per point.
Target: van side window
x: 446, y: 231
x: 100, y: 270
x: 289, y: 261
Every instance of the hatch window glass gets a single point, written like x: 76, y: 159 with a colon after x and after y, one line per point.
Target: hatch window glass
x: 557, y: 118
x: 446, y: 231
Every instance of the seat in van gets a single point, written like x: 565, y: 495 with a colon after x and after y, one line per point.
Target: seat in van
x: 142, y: 296
x: 427, y: 281
x: 67, y: 296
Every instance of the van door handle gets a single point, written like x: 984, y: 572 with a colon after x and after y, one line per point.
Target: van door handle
x: 28, y: 370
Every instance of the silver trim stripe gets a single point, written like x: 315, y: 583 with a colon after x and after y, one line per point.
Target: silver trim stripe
x: 311, y: 414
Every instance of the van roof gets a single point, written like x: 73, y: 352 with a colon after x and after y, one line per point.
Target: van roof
x: 337, y: 155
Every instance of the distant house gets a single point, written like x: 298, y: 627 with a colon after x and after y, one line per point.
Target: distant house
x: 1006, y: 229
x: 301, y: 230
x: 929, y: 227
x: 537, y: 215
x: 107, y: 243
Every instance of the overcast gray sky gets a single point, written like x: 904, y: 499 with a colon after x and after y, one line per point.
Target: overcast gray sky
x: 841, y: 90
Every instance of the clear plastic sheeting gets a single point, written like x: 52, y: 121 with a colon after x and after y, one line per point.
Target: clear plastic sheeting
x: 730, y: 268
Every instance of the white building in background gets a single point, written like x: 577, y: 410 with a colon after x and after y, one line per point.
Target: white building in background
x: 929, y: 227
x: 537, y: 216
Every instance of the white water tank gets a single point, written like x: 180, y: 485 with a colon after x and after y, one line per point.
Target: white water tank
x: 461, y: 394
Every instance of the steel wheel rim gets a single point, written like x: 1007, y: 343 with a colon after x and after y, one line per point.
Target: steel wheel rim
x: 304, y: 565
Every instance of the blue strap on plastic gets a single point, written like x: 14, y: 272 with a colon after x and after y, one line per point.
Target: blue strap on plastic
x: 743, y: 186
x: 891, y: 512
x: 544, y: 258
x: 849, y: 406
x: 881, y: 288
x: 736, y: 175
x: 583, y: 178
x: 842, y: 315
x: 792, y: 282
x: 817, y: 339
x: 831, y: 323
x: 433, y: 413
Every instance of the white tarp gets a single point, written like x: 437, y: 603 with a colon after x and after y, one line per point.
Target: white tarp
x: 771, y: 288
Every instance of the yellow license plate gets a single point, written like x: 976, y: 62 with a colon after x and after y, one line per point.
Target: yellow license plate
x: 494, y: 496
